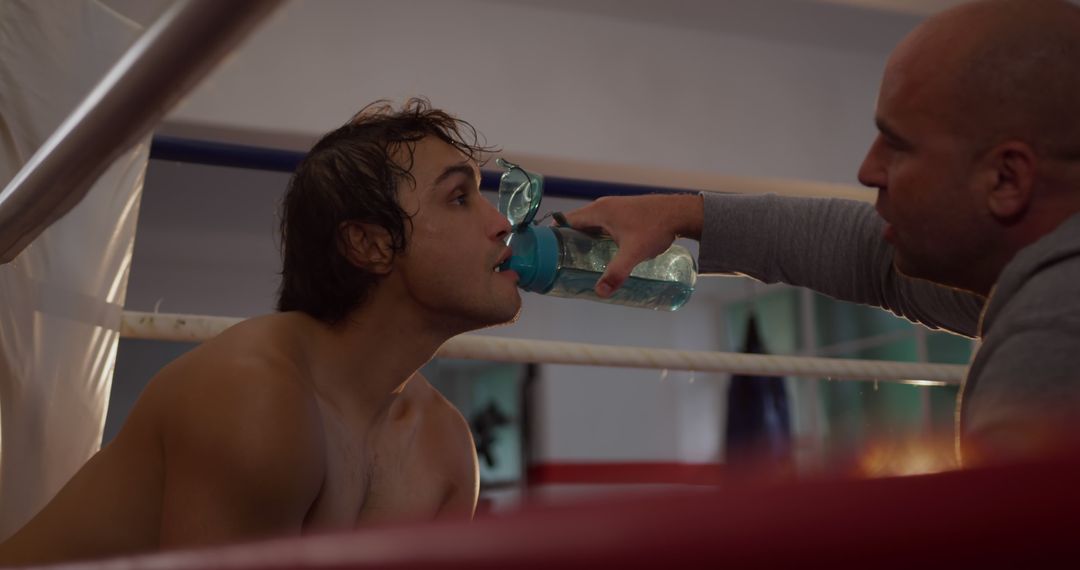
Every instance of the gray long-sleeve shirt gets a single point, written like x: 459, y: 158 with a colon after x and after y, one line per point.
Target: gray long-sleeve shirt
x: 1025, y: 372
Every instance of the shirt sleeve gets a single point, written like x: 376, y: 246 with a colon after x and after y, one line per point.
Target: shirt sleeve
x: 832, y: 246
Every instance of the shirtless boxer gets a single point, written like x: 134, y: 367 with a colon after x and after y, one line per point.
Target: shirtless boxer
x: 314, y: 418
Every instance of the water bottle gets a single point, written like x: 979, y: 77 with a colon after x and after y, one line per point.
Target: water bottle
x: 564, y: 262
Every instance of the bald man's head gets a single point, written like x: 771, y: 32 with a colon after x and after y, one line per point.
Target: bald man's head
x: 979, y: 151
x: 1003, y: 69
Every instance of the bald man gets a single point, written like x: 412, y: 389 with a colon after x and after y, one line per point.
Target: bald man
x: 976, y: 229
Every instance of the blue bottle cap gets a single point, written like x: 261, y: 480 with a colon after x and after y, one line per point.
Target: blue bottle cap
x: 535, y: 258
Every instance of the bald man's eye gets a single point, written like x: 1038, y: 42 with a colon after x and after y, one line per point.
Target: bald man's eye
x: 895, y: 143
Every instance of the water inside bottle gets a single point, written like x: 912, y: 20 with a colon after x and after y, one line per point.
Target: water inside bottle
x: 635, y: 292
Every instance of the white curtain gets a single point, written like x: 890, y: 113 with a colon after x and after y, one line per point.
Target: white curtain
x: 61, y: 299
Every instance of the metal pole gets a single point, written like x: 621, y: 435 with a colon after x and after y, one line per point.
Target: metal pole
x: 163, y: 65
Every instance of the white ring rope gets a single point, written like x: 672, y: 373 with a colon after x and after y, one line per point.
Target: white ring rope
x: 196, y: 328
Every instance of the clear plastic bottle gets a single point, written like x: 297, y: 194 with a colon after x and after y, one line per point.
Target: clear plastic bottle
x: 565, y: 262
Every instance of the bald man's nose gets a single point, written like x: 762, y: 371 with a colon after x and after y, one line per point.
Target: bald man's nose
x: 872, y: 171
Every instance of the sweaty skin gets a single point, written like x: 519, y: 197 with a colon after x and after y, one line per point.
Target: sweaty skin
x: 285, y: 425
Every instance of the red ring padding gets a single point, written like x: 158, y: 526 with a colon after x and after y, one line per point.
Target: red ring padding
x: 1020, y: 515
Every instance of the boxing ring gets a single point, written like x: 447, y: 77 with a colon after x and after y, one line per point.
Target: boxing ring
x: 1010, y: 514
x: 1023, y: 515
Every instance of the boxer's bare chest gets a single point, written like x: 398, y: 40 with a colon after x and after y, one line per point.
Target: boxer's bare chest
x: 381, y: 469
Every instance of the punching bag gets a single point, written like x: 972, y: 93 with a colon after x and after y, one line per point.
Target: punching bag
x: 758, y: 421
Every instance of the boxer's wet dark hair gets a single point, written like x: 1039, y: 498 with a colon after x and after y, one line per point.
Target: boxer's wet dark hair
x: 352, y: 175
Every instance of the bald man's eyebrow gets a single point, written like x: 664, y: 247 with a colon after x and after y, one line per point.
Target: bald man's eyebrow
x: 463, y: 168
x: 891, y: 135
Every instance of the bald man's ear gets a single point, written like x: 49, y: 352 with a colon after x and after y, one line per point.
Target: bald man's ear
x: 1011, y: 177
x: 367, y: 246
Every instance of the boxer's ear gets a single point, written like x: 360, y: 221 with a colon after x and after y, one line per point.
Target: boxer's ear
x: 367, y: 246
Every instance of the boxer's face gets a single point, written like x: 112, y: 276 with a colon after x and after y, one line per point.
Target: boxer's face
x: 456, y: 241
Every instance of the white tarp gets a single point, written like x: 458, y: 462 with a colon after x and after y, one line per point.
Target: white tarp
x: 61, y: 299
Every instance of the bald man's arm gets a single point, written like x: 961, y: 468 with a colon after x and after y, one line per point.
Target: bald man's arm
x: 832, y: 246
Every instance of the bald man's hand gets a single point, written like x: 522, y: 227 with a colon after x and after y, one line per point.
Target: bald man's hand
x: 642, y: 226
